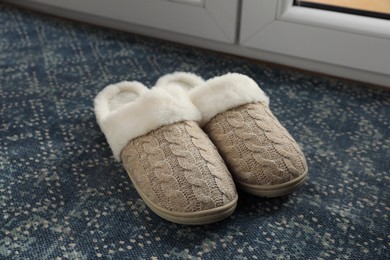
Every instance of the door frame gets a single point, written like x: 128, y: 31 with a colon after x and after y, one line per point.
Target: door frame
x: 359, y: 44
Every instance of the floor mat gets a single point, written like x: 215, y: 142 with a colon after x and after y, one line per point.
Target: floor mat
x: 62, y: 195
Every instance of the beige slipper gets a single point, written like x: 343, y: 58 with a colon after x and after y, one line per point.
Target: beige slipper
x: 262, y: 156
x: 171, y: 162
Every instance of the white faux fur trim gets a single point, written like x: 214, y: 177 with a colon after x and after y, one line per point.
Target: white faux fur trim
x: 218, y: 94
x: 222, y: 93
x: 128, y: 110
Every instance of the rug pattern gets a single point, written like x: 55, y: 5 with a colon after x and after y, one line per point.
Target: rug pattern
x: 62, y: 195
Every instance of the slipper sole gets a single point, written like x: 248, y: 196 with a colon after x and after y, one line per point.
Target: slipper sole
x: 190, y: 218
x: 272, y: 191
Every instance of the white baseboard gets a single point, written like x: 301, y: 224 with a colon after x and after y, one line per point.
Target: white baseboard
x: 235, y: 49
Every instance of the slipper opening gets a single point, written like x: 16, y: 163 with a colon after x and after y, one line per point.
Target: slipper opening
x: 184, y: 80
x: 125, y: 96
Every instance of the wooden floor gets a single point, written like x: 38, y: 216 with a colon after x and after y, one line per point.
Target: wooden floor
x: 379, y: 6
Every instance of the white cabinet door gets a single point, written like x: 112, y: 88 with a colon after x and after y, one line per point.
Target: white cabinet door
x: 210, y: 19
x: 340, y: 44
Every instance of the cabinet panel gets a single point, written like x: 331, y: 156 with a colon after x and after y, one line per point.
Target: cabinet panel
x: 210, y: 19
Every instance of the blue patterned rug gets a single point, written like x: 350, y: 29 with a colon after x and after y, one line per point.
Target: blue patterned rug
x: 62, y: 195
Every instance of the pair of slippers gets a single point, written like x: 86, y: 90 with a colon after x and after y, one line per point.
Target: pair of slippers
x: 187, y: 143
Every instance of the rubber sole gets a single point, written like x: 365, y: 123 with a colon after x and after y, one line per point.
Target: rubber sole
x: 272, y: 191
x: 190, y: 218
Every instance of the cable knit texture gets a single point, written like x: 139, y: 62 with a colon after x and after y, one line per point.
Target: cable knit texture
x: 256, y: 147
x: 179, y: 168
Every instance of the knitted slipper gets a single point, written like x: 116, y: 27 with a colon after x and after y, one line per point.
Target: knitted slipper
x: 173, y: 165
x: 260, y: 153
